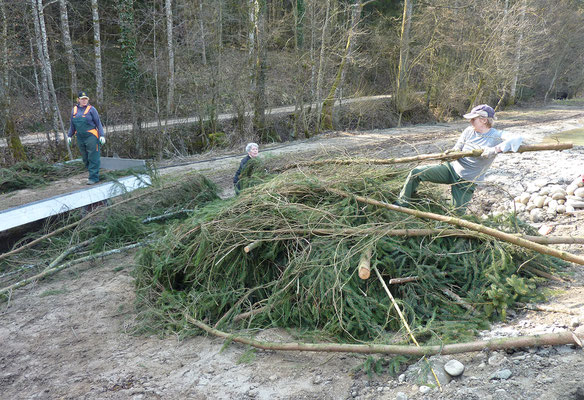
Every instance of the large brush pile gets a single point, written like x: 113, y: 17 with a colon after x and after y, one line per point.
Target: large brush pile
x: 305, y: 243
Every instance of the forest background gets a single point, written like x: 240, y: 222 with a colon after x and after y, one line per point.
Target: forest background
x: 155, y: 60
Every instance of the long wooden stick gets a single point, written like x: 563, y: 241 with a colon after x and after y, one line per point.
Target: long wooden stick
x: 381, y: 229
x: 423, y: 157
x: 466, y: 224
x: 549, y: 339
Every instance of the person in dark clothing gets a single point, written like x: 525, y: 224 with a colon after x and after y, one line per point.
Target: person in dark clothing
x: 252, y: 150
x: 85, y: 123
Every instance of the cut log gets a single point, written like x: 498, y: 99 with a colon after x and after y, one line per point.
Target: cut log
x: 365, y: 263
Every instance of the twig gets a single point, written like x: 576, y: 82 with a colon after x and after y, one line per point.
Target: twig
x: 549, y: 339
x: 399, y: 281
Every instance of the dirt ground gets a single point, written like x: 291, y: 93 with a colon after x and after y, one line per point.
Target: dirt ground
x: 68, y: 337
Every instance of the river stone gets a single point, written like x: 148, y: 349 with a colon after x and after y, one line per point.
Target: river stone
x: 553, y: 205
x: 536, y: 215
x: 579, y: 192
x: 424, y: 389
x: 547, y: 201
x: 401, y: 396
x: 561, y: 209
x: 538, y: 201
x: 562, y: 201
x: 545, y: 191
x: 502, y: 374
x: 569, y: 208
x: 571, y: 189
x: 575, y: 203
x: 454, y: 367
x: 524, y: 198
x: 559, y: 195
x: 529, y: 207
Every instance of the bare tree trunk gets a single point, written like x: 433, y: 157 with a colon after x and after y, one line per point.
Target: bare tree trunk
x: 37, y: 84
x: 97, y: 52
x: 259, y: 69
x: 252, y: 23
x: 68, y: 47
x: 202, y: 28
x: 518, y: 49
x: 46, y: 66
x: 319, y: 76
x: 327, y: 105
x: 170, y: 47
x: 44, y: 87
x: 401, y: 94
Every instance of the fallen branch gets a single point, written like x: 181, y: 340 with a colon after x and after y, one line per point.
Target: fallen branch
x: 467, y: 224
x: 421, y: 232
x: 56, y: 269
x: 423, y: 157
x: 70, y: 250
x: 549, y: 339
x: 166, y: 216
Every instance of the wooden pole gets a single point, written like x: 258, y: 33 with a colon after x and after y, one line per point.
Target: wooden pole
x: 467, y: 224
x: 549, y: 339
x: 424, y: 157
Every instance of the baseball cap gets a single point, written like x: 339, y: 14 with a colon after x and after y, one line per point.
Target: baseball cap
x: 484, y: 111
x: 83, y: 95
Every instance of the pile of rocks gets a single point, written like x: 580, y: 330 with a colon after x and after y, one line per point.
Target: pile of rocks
x: 546, y: 201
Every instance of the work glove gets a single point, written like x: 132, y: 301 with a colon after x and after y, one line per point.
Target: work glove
x: 102, y: 140
x: 69, y: 139
x: 489, y: 152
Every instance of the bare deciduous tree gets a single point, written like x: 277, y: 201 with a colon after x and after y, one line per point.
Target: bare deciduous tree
x: 99, y: 91
x: 68, y: 47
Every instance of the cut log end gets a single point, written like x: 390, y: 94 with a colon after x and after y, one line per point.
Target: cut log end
x: 364, y: 273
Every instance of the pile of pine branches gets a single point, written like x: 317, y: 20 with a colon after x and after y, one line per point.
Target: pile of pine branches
x: 285, y: 253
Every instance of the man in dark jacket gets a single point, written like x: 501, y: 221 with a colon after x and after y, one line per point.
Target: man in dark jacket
x: 252, y: 150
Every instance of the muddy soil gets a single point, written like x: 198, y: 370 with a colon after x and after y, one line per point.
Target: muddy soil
x: 68, y: 337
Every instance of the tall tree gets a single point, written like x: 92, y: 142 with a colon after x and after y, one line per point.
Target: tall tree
x: 259, y: 69
x: 170, y: 49
x: 7, y: 123
x: 97, y: 52
x: 68, y: 47
x: 401, y: 94
x: 128, y: 42
x: 327, y: 105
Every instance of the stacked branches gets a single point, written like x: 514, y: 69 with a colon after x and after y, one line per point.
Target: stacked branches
x: 304, y: 246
